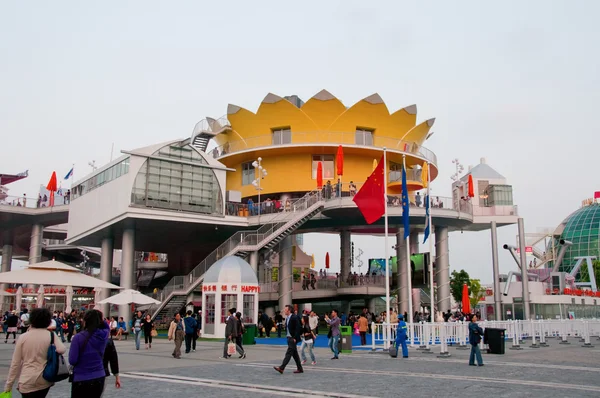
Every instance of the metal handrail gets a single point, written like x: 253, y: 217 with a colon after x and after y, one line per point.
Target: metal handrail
x: 211, y: 126
x: 322, y: 137
x: 238, y: 240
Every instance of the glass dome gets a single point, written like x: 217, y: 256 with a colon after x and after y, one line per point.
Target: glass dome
x: 582, y: 228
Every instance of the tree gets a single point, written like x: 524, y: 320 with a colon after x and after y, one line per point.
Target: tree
x: 477, y: 292
x: 457, y: 280
x: 584, y: 274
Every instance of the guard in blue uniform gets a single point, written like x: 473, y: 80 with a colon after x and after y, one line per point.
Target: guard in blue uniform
x: 401, y: 335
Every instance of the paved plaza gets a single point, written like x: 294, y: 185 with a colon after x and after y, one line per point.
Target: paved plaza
x: 557, y: 371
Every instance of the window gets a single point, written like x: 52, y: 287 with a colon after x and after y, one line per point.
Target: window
x: 282, y: 136
x: 248, y: 308
x: 248, y: 173
x: 498, y: 195
x: 363, y: 137
x: 209, y: 311
x: 103, y: 177
x: 328, y: 166
x: 228, y: 301
x: 395, y: 172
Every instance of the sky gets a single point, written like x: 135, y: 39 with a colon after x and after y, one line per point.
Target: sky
x: 515, y: 82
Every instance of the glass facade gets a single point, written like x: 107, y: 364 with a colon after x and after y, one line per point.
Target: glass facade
x: 228, y: 301
x: 583, y: 229
x: 247, y: 173
x: 328, y: 166
x: 174, y: 185
x: 101, y: 178
x: 497, y: 195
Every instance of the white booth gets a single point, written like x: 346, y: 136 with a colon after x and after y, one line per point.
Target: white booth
x: 229, y: 283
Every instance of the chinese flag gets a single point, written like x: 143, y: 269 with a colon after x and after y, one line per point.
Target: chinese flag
x: 370, y: 199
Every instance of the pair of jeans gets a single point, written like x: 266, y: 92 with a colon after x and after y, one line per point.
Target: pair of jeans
x: 189, y: 337
x: 88, y: 388
x: 334, y: 345
x: 138, y: 337
x: 475, y: 353
x: 309, y: 344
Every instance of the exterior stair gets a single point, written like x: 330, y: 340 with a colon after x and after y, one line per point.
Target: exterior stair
x: 206, y: 129
x: 175, y: 293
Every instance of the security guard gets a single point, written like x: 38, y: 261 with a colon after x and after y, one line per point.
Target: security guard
x: 401, y: 335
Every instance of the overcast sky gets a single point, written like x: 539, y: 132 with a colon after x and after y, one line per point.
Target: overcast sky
x: 516, y: 82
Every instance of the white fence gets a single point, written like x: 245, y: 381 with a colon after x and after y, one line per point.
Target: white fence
x: 457, y: 333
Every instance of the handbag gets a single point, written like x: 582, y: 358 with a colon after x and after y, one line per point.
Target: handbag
x: 153, y: 333
x: 6, y: 394
x: 231, y: 348
x: 56, y: 368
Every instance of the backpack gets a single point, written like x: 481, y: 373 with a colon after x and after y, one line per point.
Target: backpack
x: 56, y: 368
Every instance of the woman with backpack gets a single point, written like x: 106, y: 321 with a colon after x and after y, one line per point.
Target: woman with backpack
x: 87, y: 355
x: 31, y: 355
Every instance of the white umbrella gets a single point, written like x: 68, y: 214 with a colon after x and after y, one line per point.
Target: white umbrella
x: 69, y: 295
x: 40, y: 297
x: 129, y: 296
x: 53, y: 273
x: 97, y: 296
x: 19, y: 298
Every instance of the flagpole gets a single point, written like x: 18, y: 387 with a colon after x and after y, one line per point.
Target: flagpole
x: 410, y: 301
x: 387, y: 255
x: 431, y: 298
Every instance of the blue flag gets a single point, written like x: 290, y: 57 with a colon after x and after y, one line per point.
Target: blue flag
x: 405, y: 205
x: 427, y: 226
x: 69, y: 174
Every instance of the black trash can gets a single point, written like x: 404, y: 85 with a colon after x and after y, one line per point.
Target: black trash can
x: 494, y: 338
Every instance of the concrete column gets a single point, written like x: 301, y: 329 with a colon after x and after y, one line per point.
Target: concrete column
x: 285, y: 272
x: 442, y: 269
x: 402, y: 270
x: 253, y: 261
x: 414, y: 242
x: 524, y: 272
x: 127, y: 269
x: 370, y: 304
x: 270, y: 311
x: 35, y: 245
x: 106, y: 262
x: 496, y: 274
x: 345, y: 254
x: 7, y: 251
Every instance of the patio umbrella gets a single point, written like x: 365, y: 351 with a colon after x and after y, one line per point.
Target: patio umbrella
x: 19, y: 298
x: 129, y: 296
x: 69, y: 299
x: 319, y: 175
x: 53, y: 273
x: 466, y: 302
x: 52, y: 187
x: 40, y: 297
x: 340, y: 161
x: 327, y: 260
x: 97, y: 296
x: 471, y: 189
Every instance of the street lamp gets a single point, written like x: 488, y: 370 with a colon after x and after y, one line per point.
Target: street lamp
x: 262, y: 173
x: 459, y: 169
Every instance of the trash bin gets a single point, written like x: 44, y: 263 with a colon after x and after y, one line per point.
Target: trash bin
x: 249, y: 334
x: 494, y: 338
x: 345, y: 344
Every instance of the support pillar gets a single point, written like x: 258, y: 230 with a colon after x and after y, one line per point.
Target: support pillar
x: 253, y: 261
x: 345, y: 255
x: 35, y: 245
x: 7, y: 251
x: 127, y: 269
x: 402, y: 271
x: 370, y: 304
x: 442, y: 269
x: 106, y: 262
x: 524, y: 271
x: 496, y: 274
x: 285, y: 272
x: 414, y: 242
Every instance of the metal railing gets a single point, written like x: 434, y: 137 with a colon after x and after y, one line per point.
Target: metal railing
x: 244, y: 238
x: 326, y: 137
x: 496, y: 211
x: 33, y: 202
x: 211, y: 126
x: 330, y: 283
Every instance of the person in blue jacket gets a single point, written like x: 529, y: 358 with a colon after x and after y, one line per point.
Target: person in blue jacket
x: 475, y: 333
x: 401, y: 335
x: 190, y: 331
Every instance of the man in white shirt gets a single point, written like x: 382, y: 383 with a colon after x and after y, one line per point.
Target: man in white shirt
x: 313, y: 322
x: 24, y: 321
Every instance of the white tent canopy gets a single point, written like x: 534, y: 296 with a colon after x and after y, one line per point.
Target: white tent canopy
x: 53, y: 273
x: 129, y: 296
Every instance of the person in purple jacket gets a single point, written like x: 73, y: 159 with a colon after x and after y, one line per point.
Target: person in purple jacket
x: 86, y: 356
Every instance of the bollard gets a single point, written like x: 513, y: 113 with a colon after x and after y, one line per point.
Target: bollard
x: 532, y: 331
x: 543, y: 335
x: 586, y: 335
x: 373, y: 334
x: 443, y: 343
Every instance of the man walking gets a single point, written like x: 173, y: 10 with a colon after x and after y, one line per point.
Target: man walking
x: 231, y: 333
x: 401, y: 334
x: 334, y: 340
x: 292, y: 328
x: 475, y: 333
x: 190, y: 331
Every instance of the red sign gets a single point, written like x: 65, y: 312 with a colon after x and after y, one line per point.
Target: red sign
x: 29, y: 290
x: 234, y: 288
x: 528, y: 249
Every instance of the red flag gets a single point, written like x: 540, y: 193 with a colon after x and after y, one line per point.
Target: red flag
x: 471, y: 189
x: 370, y: 199
x: 596, y: 194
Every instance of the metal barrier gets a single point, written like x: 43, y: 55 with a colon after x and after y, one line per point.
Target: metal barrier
x: 425, y: 334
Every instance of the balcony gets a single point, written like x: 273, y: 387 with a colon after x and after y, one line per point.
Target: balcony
x: 324, y: 137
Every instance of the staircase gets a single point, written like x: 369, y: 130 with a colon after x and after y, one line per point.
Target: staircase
x: 175, y: 293
x: 208, y: 128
